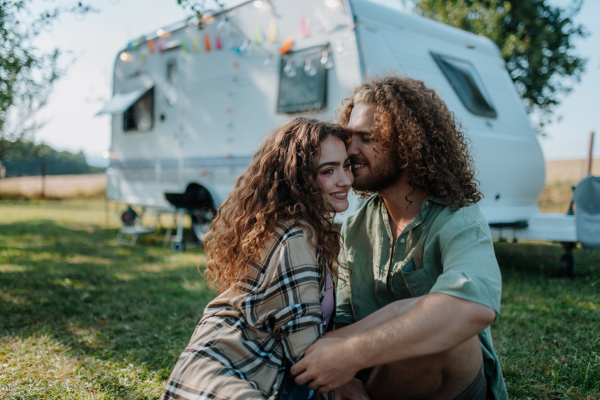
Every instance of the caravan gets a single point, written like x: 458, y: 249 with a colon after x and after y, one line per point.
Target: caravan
x: 192, y: 102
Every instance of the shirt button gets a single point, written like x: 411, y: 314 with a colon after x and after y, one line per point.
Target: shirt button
x: 427, y: 203
x: 402, y: 240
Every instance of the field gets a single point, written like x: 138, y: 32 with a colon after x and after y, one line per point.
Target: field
x: 82, y: 317
x: 53, y: 187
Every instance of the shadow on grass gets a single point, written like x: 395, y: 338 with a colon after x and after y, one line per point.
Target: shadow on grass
x: 122, y: 304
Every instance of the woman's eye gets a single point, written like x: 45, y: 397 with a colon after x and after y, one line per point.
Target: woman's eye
x: 327, y: 171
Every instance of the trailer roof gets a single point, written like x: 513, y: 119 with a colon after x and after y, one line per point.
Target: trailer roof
x: 366, y: 9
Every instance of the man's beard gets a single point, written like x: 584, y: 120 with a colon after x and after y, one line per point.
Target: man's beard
x: 381, y: 176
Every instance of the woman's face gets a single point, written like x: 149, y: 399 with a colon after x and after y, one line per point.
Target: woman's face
x: 334, y: 176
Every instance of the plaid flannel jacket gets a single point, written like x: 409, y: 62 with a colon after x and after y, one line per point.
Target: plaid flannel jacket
x: 246, y: 339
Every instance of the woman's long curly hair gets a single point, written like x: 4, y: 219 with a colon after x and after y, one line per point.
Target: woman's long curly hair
x: 414, y: 121
x: 278, y: 185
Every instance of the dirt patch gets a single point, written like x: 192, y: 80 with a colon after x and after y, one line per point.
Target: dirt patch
x: 53, y: 186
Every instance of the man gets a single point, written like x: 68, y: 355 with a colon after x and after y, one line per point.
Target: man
x: 421, y: 283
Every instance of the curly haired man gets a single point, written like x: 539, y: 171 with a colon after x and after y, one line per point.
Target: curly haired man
x: 421, y: 283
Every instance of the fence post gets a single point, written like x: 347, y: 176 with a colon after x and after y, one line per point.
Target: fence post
x: 590, y: 154
x: 43, y: 173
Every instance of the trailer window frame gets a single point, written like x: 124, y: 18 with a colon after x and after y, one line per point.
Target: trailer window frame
x: 131, y: 116
x: 467, y: 84
x: 302, y: 92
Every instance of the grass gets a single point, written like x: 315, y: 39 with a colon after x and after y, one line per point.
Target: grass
x: 547, y: 336
x: 82, y: 317
x: 556, y: 197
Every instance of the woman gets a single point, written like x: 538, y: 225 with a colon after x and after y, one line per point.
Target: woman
x: 270, y: 253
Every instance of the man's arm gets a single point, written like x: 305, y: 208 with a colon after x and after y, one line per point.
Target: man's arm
x: 379, y: 317
x: 436, y: 323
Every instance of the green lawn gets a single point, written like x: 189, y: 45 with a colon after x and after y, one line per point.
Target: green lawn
x: 82, y: 317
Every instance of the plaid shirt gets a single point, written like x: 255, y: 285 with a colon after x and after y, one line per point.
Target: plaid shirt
x: 246, y: 339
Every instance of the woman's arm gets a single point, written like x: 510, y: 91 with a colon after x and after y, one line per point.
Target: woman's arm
x: 291, y: 304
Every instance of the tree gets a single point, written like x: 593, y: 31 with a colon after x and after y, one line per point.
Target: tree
x: 55, y: 162
x: 198, y: 8
x: 27, y: 74
x: 535, y: 38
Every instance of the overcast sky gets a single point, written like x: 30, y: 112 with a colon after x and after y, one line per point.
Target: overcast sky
x: 94, y: 41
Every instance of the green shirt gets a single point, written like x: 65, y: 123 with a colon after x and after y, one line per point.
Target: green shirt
x: 440, y: 250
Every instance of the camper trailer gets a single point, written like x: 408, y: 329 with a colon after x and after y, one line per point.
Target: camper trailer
x: 193, y: 101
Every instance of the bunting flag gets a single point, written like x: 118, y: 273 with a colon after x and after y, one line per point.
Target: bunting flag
x: 272, y: 34
x: 258, y: 35
x: 218, y: 42
x: 143, y: 55
x: 240, y: 50
x: 304, y: 31
x: 206, y: 42
x: 184, y: 46
x: 196, y: 44
x: 150, y: 44
x: 287, y: 45
x: 160, y: 45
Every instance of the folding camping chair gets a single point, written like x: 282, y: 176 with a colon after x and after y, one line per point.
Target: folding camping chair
x: 586, y: 207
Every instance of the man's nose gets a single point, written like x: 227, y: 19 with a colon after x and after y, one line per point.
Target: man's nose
x: 352, y: 149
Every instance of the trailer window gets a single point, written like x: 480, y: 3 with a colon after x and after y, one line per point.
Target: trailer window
x: 140, y: 116
x: 302, y: 81
x: 467, y: 84
x: 170, y: 85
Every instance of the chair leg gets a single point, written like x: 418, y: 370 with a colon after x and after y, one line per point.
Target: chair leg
x: 566, y: 268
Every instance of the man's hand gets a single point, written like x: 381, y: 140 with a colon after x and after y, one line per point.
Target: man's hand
x: 353, y: 390
x: 326, y: 365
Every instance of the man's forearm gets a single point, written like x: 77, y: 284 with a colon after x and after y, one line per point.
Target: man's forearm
x: 378, y: 318
x: 433, y: 324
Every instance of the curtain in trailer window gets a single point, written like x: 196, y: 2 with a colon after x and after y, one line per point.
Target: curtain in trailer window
x: 140, y: 116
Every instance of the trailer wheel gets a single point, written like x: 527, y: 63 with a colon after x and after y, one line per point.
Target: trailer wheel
x: 177, y: 247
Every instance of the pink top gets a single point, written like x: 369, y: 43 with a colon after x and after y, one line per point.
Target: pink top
x: 328, y: 302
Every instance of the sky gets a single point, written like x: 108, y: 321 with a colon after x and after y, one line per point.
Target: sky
x: 92, y: 43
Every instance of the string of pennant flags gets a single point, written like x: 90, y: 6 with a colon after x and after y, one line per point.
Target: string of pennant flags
x: 229, y: 36
x: 258, y: 38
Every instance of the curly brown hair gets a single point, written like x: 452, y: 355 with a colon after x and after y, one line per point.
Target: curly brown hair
x: 431, y: 147
x: 278, y: 185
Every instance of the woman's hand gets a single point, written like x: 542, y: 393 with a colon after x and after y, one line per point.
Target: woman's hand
x: 327, y: 365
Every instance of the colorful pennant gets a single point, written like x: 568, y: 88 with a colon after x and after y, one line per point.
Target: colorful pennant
x: 272, y: 34
x: 304, y: 31
x: 150, y: 44
x: 218, y: 42
x: 206, y: 42
x: 184, y: 46
x: 287, y: 45
x: 257, y: 37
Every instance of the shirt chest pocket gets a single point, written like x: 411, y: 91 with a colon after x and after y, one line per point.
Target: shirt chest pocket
x: 409, y: 280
